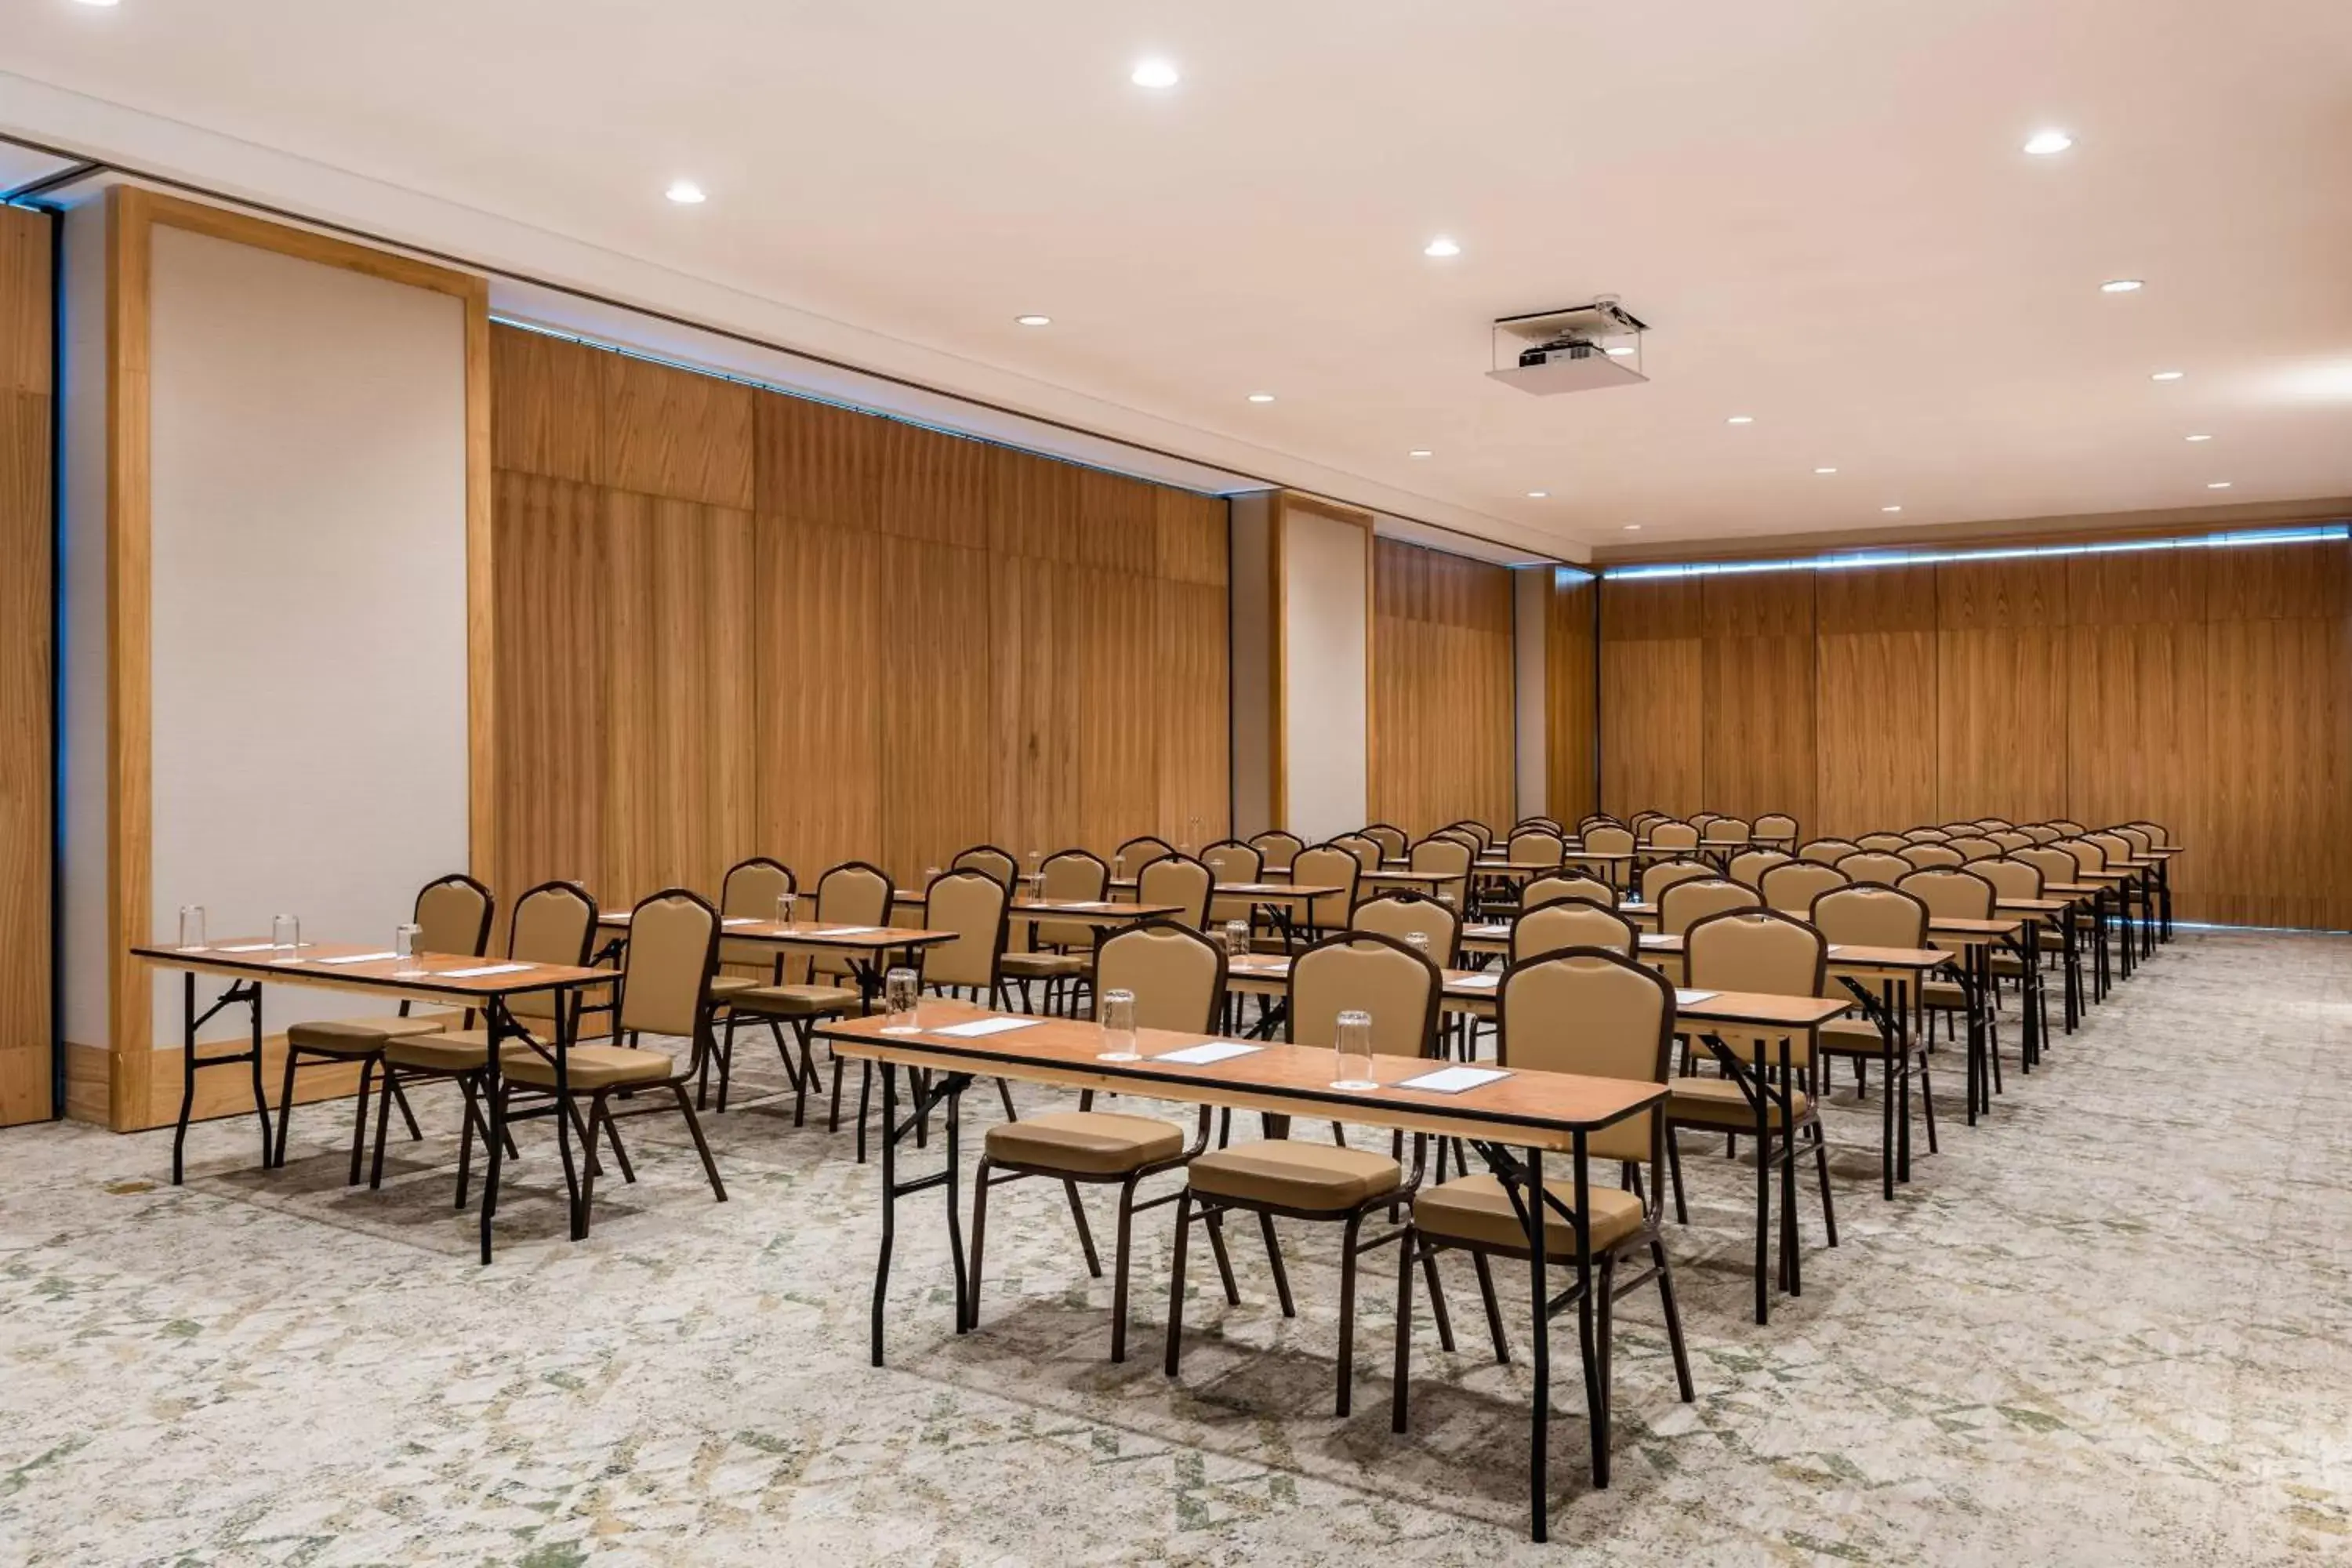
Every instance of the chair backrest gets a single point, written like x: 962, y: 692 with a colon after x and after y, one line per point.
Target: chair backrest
x: 2011, y: 878
x: 1181, y: 880
x: 1951, y: 893
x: 1969, y: 849
x: 972, y: 905
x: 1136, y: 853
x: 1572, y: 923
x: 2088, y: 856
x: 1926, y: 855
x: 1776, y: 827
x: 2042, y: 833
x: 1792, y: 888
x: 1828, y: 851
x: 2114, y: 846
x: 1608, y: 839
x: 1481, y: 835
x: 1882, y: 843
x: 1750, y: 866
x: 1394, y: 914
x: 1549, y: 824
x: 2063, y: 826
x: 1177, y: 974
x: 989, y: 861
x: 1446, y: 855
x: 1393, y: 841
x: 1072, y: 877
x: 1868, y: 915
x: 856, y: 893
x: 2009, y: 838
x: 453, y: 913
x: 666, y: 973
x: 1685, y: 903
x: 1663, y: 874
x: 1755, y: 950
x: 2137, y: 837
x: 1727, y: 831
x: 1535, y: 847
x: 1542, y: 890
x: 1700, y: 820
x: 1959, y: 830
x: 1597, y: 1013
x: 555, y: 922
x: 2158, y: 836
x: 751, y: 890
x: 1875, y: 866
x: 1926, y: 834
x: 1672, y: 835
x: 1366, y: 851
x: 1232, y: 863
x: 2055, y: 865
x: 1642, y: 819
x: 1324, y: 866
x: 1376, y: 974
x: 1276, y: 849
x: 1596, y: 819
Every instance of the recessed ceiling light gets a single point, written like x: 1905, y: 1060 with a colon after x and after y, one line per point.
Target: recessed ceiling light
x: 1154, y: 74
x: 1441, y: 246
x: 2217, y: 484
x: 2167, y: 375
x: 1537, y: 495
x: 1033, y: 321
x: 98, y: 1
x: 1633, y: 528
x: 685, y: 192
x: 1825, y: 470
x: 2121, y: 286
x: 1622, y: 350
x: 1261, y: 397
x: 2197, y: 437
x: 1890, y: 509
x: 2043, y: 143
x: 1419, y: 452
x: 1741, y: 419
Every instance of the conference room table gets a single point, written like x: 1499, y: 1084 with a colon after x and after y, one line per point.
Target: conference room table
x: 1278, y: 902
x: 867, y: 947
x: 486, y: 985
x: 1514, y: 1122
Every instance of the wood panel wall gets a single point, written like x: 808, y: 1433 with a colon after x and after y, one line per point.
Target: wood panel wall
x: 1444, y: 737
x: 2207, y: 689
x: 734, y: 623
x: 26, y: 644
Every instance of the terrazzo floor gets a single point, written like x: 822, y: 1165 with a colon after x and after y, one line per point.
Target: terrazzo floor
x: 2111, y: 1325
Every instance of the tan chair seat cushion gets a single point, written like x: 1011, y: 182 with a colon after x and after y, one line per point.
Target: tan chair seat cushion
x: 1089, y: 1142
x: 1476, y: 1210
x: 1943, y: 994
x: 729, y: 985
x: 1042, y: 965
x: 1321, y: 1178
x: 465, y: 1051
x: 1851, y: 1036
x: 589, y: 1067
x: 363, y: 1037
x: 794, y: 1001
x: 1717, y: 1102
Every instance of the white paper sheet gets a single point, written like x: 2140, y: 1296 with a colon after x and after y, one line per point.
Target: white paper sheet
x: 980, y: 1026
x: 1207, y: 1052
x: 1686, y: 998
x: 360, y: 958
x: 253, y: 947
x: 1452, y: 1080
x: 846, y: 930
x: 1487, y: 931
x: 1476, y: 981
x: 740, y: 920
x: 479, y: 970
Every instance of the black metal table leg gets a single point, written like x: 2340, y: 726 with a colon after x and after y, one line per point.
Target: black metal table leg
x: 1540, y: 1355
x: 250, y: 993
x: 493, y: 1104
x: 928, y: 1091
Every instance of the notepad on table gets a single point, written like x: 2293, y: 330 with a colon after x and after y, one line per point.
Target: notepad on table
x: 1452, y: 1080
x: 1477, y: 982
x: 980, y: 1026
x: 849, y: 930
x: 359, y: 958
x: 1207, y: 1052
x: 481, y: 970
x: 1686, y: 998
x: 1487, y: 931
x: 253, y: 947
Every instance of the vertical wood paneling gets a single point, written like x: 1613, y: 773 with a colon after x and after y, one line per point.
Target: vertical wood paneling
x: 1757, y: 688
x: 668, y: 432
x: 2002, y: 709
x: 1571, y: 661
x: 1875, y: 694
x: 26, y: 653
x: 818, y: 633
x: 1443, y: 679
x: 1652, y: 686
x: 552, y: 609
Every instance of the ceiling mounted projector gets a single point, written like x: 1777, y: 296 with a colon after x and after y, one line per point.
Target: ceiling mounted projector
x: 1572, y: 350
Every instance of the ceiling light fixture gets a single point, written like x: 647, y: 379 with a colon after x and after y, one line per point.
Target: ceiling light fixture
x: 1033, y: 321
x: 1825, y: 470
x: 1441, y: 246
x: 1154, y: 74
x: 1419, y: 452
x: 1538, y: 495
x: 2121, y: 286
x: 1741, y: 419
x: 2217, y: 484
x: 2167, y: 375
x: 1261, y: 397
x: 99, y: 1
x: 2043, y: 143
x: 2197, y: 437
x: 685, y: 192
x: 1633, y: 528
x: 1623, y: 351
x: 1890, y: 509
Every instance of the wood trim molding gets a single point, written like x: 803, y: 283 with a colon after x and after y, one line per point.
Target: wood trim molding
x: 133, y: 213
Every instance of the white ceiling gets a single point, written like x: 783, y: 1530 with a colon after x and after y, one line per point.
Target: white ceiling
x: 1821, y: 208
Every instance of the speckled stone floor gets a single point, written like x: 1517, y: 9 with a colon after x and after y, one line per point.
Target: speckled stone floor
x: 2113, y: 1325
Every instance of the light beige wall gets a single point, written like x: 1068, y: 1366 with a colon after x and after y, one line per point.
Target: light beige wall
x: 1327, y: 646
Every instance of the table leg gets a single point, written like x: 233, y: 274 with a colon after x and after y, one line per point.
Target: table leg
x: 188, y: 1076
x: 1596, y: 1360
x: 890, y: 1197
x: 563, y: 1120
x: 494, y: 1106
x: 926, y: 1090
x: 1540, y: 1355
x: 1903, y: 1051
x: 250, y: 993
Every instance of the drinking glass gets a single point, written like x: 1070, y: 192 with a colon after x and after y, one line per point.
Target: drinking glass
x: 406, y: 945
x: 1418, y: 940
x: 1036, y: 862
x: 1117, y: 1020
x: 191, y: 928
x: 784, y: 902
x: 1352, y: 1043
x: 1237, y: 938
x: 285, y: 937
x: 900, y: 988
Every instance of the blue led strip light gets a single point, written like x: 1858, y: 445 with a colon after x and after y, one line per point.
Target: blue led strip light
x: 2317, y: 534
